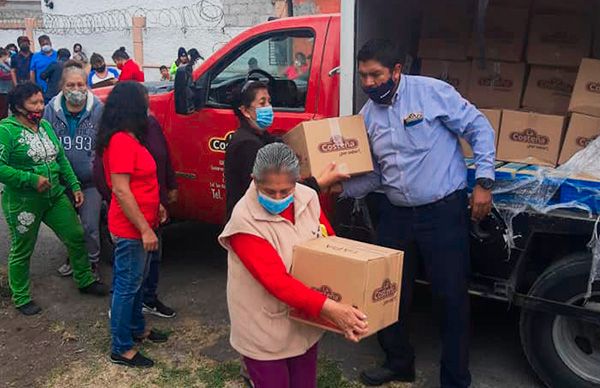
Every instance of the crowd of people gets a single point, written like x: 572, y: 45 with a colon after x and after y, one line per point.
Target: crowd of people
x: 18, y: 64
x: 63, y: 154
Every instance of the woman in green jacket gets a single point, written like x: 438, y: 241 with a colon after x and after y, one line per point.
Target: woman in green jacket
x: 33, y: 168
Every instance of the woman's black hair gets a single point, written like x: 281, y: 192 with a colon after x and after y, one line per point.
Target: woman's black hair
x: 121, y: 53
x: 126, y: 109
x: 246, y: 96
x: 96, y: 59
x: 12, y: 46
x: 20, y: 93
x: 194, y: 56
x: 77, y: 44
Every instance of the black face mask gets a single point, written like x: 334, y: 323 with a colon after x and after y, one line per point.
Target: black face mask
x: 24, y: 48
x: 100, y: 69
x: 383, y: 93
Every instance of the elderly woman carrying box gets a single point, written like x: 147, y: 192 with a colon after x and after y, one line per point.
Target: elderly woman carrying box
x: 275, y: 214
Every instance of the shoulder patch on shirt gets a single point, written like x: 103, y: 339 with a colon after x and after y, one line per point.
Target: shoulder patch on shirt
x: 413, y: 119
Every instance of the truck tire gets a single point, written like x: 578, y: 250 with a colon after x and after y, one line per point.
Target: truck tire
x: 564, y: 352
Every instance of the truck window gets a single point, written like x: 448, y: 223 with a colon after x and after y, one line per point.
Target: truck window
x: 283, y: 60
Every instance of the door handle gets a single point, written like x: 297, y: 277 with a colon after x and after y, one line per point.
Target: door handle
x: 334, y: 71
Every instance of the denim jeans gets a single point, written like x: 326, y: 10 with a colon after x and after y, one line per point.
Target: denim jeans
x: 151, y: 281
x: 129, y: 270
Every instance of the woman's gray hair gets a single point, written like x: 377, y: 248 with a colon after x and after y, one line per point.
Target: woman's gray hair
x: 72, y: 68
x: 278, y: 158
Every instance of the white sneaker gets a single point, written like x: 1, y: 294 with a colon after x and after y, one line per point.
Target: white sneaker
x: 65, y: 270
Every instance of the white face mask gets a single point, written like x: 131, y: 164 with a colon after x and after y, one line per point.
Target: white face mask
x: 47, y: 48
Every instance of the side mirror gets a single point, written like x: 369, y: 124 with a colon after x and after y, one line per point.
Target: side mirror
x: 190, y: 95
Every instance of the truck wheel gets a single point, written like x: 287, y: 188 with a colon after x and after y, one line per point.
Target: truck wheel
x: 563, y: 351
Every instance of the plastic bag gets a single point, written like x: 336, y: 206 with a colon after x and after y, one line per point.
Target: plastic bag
x: 355, y: 223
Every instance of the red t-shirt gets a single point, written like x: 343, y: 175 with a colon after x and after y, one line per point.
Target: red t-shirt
x: 125, y: 155
x: 131, y: 72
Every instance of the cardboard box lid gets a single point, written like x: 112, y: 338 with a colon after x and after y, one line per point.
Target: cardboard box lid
x: 456, y: 73
x: 559, y: 40
x: 586, y: 93
x: 505, y: 31
x: 582, y: 130
x: 528, y: 137
x: 351, y: 249
x: 549, y: 89
x: 497, y: 85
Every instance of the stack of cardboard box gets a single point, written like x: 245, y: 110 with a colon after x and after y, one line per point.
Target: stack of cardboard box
x: 523, y: 72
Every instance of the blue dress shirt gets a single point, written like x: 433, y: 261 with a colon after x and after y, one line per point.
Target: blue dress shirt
x: 417, y: 156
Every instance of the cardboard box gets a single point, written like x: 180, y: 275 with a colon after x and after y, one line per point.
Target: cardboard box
x: 586, y: 93
x: 532, y: 138
x: 454, y: 73
x: 351, y: 272
x: 444, y: 36
x: 582, y: 131
x: 560, y: 7
x: 498, y: 85
x: 493, y: 115
x: 340, y: 139
x: 558, y: 40
x: 549, y: 89
x: 505, y: 31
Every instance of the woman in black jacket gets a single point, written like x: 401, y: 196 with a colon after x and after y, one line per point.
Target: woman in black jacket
x: 255, y: 114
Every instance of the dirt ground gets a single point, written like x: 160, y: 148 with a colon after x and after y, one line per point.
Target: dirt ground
x: 68, y: 344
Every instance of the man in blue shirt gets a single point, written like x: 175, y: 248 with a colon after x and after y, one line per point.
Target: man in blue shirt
x: 414, y: 125
x: 40, y: 61
x: 20, y: 63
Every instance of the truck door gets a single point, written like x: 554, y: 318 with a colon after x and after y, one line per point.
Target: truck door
x: 288, y: 60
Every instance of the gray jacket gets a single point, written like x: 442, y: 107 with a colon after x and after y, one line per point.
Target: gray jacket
x: 79, y: 147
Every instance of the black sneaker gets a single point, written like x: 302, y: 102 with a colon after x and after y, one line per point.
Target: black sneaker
x: 96, y: 288
x: 138, y: 361
x: 154, y: 336
x: 158, y: 309
x: 29, y: 309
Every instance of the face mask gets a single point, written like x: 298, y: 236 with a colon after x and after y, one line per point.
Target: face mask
x: 12, y: 52
x: 101, y: 69
x: 383, y: 93
x: 76, y: 97
x: 275, y: 206
x: 119, y: 66
x: 46, y: 48
x: 34, y: 117
x: 24, y: 47
x: 264, y: 116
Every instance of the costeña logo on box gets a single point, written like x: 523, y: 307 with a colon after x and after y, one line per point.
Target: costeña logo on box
x: 219, y: 144
x: 583, y: 142
x: 593, y: 87
x: 555, y: 84
x: 529, y: 136
x: 386, y: 291
x: 328, y: 292
x: 332, y: 146
x: 496, y: 82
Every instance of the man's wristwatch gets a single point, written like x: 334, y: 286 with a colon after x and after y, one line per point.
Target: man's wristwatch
x: 485, y: 183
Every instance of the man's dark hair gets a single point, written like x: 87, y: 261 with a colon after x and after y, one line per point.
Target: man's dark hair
x: 42, y: 38
x: 63, y: 53
x: 246, y: 96
x: 11, y: 46
x: 121, y: 53
x: 22, y: 39
x: 20, y: 93
x: 382, y: 51
x: 126, y: 109
x: 163, y: 67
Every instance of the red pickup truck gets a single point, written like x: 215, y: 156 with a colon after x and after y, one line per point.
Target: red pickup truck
x: 545, y: 273
x: 198, y: 137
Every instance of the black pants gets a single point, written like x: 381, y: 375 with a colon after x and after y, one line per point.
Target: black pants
x: 437, y: 234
